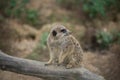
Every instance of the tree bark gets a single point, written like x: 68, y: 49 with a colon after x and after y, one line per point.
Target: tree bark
x: 38, y: 69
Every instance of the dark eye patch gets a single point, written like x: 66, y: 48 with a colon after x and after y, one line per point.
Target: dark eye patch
x: 63, y: 30
x: 54, y: 33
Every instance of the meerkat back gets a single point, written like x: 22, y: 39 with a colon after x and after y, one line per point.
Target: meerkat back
x: 75, y: 53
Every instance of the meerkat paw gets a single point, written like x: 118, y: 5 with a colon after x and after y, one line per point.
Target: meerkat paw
x: 69, y: 66
x: 59, y: 64
x: 46, y: 64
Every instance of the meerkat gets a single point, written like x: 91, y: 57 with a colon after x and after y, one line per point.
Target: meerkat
x: 64, y: 47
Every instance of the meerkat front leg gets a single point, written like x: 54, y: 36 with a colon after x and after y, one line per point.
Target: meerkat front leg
x: 51, y: 60
x: 52, y: 55
x: 62, y: 57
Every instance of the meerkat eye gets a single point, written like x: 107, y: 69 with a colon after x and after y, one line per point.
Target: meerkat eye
x: 63, y: 30
x: 54, y: 33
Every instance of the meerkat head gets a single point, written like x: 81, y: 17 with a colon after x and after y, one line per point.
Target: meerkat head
x: 59, y: 31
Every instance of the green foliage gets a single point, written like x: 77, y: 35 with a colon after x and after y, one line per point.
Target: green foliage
x: 98, y: 7
x: 104, y: 39
x: 116, y: 36
x: 43, y: 40
x: 91, y: 7
x: 18, y: 9
x: 32, y: 17
x: 94, y: 7
x: 40, y: 48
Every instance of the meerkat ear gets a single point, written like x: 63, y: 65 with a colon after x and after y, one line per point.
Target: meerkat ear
x: 54, y: 33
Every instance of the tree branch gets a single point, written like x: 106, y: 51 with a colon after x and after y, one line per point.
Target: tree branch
x: 36, y: 68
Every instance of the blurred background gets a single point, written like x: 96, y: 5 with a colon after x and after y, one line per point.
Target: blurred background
x: 25, y: 25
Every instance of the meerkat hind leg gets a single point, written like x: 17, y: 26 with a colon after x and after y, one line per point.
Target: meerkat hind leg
x: 71, y: 64
x: 62, y: 58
